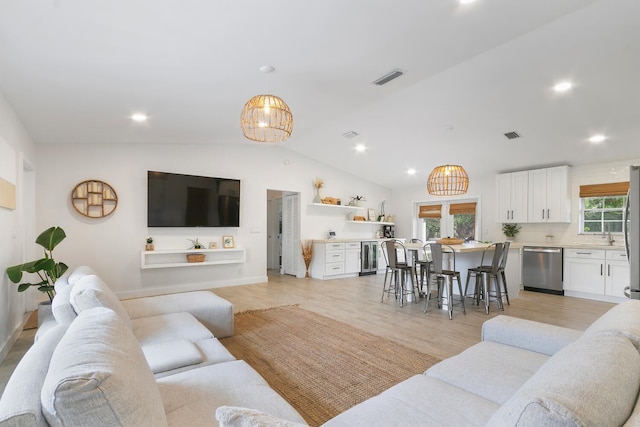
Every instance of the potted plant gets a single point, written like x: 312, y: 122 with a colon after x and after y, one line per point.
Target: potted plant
x: 357, y: 200
x: 195, y: 244
x: 149, y: 245
x: 510, y: 230
x: 46, y: 268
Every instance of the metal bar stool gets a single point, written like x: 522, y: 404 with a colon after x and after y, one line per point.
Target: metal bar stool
x: 400, y: 270
x: 483, y: 275
x: 441, y: 275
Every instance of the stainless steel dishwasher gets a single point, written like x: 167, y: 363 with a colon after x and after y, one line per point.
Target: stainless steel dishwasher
x: 542, y: 269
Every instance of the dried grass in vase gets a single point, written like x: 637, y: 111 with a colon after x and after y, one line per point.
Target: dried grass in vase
x: 307, y: 254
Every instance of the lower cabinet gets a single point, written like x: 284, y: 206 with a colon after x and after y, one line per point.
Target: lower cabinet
x: 332, y: 260
x: 595, y: 273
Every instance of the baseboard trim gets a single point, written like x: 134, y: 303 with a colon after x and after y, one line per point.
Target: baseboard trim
x: 190, y: 287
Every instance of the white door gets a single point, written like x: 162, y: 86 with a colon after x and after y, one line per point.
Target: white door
x: 274, y: 235
x: 291, y: 251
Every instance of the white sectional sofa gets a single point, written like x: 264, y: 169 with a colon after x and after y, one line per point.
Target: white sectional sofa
x: 148, y: 362
x: 523, y: 373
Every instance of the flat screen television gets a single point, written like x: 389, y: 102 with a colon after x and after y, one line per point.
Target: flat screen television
x: 176, y: 200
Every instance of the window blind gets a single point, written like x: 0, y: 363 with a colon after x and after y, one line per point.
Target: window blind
x: 610, y: 189
x: 430, y: 211
x: 462, y: 208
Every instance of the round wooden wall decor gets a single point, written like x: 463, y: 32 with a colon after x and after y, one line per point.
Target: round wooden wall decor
x: 94, y: 199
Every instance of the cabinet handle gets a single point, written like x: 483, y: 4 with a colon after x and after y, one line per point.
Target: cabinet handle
x: 609, y: 270
x: 542, y: 213
x: 547, y: 213
x: 583, y: 253
x: 511, y: 214
x: 507, y: 213
x: 601, y: 269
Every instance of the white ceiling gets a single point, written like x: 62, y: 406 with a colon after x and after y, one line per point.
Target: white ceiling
x: 75, y: 70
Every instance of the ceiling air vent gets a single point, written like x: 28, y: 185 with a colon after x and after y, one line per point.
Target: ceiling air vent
x: 350, y: 134
x: 512, y: 135
x: 394, y: 74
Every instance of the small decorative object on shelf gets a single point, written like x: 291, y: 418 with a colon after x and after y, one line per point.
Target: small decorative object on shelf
x: 330, y: 201
x: 195, y: 244
x: 94, y: 199
x: 307, y: 254
x: 196, y: 257
x: 213, y: 245
x: 227, y: 242
x: 149, y: 245
x: 318, y: 183
x: 357, y: 201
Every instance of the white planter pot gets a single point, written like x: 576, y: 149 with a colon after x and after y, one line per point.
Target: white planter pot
x: 44, y: 312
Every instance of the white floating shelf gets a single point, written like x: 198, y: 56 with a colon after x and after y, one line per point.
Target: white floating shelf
x: 178, y: 258
x: 372, y: 222
x: 338, y: 207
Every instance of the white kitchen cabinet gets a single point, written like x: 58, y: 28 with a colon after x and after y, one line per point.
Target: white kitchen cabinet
x: 549, y: 197
x: 595, y: 273
x: 352, y: 257
x: 511, y: 189
x: 617, y: 274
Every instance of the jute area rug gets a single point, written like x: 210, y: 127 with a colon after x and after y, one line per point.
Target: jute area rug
x: 321, y: 366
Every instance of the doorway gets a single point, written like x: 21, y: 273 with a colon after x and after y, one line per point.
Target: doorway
x: 283, y: 232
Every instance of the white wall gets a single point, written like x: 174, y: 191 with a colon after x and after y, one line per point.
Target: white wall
x: 16, y: 232
x: 112, y: 245
x: 484, y: 188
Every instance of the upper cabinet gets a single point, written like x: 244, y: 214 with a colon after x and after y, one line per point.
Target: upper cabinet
x: 512, y: 197
x: 549, y: 196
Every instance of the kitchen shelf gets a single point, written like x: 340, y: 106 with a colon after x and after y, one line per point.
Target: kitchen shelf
x: 372, y: 222
x: 337, y: 208
x: 177, y: 258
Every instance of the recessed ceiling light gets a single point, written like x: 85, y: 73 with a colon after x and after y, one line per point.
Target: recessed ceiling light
x: 596, y: 139
x: 139, y: 117
x: 466, y: 1
x: 411, y: 171
x: 360, y: 148
x: 563, y: 86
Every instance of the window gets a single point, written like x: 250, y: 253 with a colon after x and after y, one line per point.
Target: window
x: 457, y: 219
x: 602, y: 207
x: 602, y: 214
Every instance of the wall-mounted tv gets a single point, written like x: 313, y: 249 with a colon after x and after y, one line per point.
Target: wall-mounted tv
x: 176, y: 200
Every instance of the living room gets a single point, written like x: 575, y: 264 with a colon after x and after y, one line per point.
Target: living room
x: 45, y: 167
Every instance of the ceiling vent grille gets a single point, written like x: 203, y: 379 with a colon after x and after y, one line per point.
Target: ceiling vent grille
x: 350, y: 134
x: 394, y: 74
x: 512, y: 135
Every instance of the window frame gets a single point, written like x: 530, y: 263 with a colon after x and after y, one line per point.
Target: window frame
x: 446, y: 219
x: 603, y: 210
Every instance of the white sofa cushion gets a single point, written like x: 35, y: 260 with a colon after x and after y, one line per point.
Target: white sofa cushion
x: 91, y: 292
x: 61, y: 306
x: 99, y: 376
x: 166, y: 356
x: 168, y: 328
x: 418, y: 401
x: 624, y: 318
x: 481, y: 370
x: 191, y: 397
x: 20, y: 403
x: 79, y: 272
x: 234, y: 416
x: 593, y: 381
x: 211, y: 352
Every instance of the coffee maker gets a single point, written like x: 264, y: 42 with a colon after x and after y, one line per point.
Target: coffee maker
x: 389, y: 231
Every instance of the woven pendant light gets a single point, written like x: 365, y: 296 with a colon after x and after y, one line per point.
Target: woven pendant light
x: 266, y: 118
x: 448, y: 180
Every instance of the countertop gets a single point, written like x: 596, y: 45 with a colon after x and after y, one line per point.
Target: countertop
x: 475, y: 246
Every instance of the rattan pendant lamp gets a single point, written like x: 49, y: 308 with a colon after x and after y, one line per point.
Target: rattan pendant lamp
x: 266, y: 118
x: 448, y: 180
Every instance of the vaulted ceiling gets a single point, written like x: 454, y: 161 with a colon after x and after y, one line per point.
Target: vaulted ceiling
x: 75, y: 70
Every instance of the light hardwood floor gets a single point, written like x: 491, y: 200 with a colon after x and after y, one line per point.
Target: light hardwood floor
x: 356, y: 301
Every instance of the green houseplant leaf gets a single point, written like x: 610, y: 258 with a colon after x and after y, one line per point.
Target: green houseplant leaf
x: 46, y: 269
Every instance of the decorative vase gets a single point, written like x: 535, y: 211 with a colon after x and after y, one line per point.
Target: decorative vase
x: 317, y: 198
